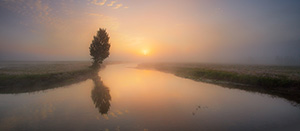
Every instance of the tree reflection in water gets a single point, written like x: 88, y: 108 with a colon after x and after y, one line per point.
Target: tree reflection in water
x: 100, y: 95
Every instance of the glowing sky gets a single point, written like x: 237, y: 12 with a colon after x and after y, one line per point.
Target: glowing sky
x: 148, y: 30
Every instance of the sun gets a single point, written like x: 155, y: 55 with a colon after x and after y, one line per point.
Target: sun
x: 145, y: 51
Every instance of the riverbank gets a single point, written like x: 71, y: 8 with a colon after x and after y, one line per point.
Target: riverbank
x: 278, y: 81
x: 20, y: 77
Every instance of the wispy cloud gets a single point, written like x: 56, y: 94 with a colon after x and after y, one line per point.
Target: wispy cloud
x: 111, y: 3
x: 38, y: 10
x: 118, y: 6
x: 52, y: 27
x: 94, y: 14
x: 95, y: 2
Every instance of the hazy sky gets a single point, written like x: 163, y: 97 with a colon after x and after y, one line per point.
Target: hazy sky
x: 148, y: 30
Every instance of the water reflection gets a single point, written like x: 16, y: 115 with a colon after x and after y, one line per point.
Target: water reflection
x: 144, y: 99
x: 100, y: 95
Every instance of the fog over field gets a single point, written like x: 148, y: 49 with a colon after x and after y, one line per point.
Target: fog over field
x: 247, y: 32
x: 148, y: 65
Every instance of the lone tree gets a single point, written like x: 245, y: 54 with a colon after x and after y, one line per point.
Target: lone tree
x: 99, y: 49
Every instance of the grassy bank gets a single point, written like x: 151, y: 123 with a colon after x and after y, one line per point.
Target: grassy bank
x: 279, y: 84
x: 35, y: 82
x: 263, y: 81
x: 29, y: 77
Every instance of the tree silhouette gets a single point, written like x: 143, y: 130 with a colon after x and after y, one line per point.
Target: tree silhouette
x: 99, y: 49
x: 100, y: 95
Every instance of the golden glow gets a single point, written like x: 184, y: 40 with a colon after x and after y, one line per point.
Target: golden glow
x: 145, y: 51
x: 137, y: 90
x: 155, y: 34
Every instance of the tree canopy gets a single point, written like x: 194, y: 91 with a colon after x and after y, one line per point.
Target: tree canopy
x: 99, y: 48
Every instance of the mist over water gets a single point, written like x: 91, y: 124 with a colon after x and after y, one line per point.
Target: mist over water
x: 150, y: 65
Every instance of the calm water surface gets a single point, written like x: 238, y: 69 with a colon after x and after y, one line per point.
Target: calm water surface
x: 124, y: 98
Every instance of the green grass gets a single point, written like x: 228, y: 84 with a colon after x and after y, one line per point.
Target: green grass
x: 276, y: 85
x: 18, y: 83
x: 234, y: 74
x: 263, y: 81
x: 12, y: 79
x: 20, y: 77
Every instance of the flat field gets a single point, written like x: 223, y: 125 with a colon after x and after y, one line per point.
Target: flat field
x: 21, y: 68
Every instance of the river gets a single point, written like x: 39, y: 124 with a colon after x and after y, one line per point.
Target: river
x: 122, y: 97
